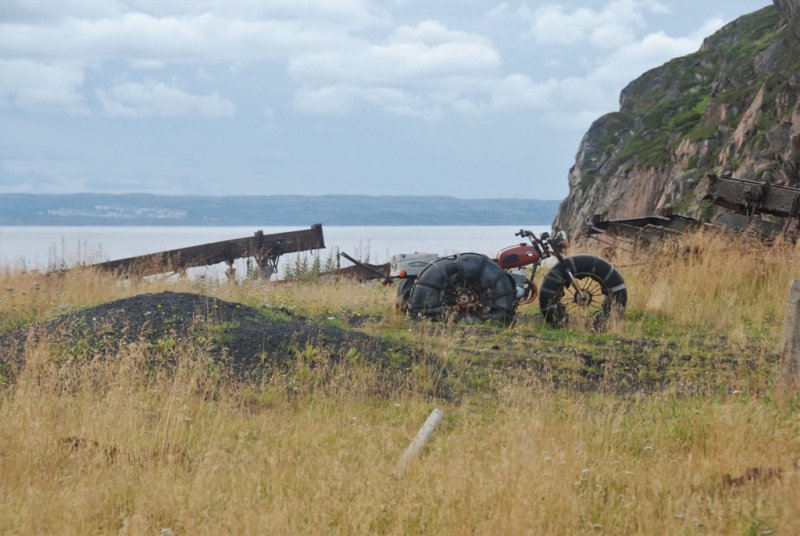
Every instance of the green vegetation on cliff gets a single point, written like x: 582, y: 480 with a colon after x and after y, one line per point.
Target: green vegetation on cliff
x: 733, y: 105
x: 668, y: 105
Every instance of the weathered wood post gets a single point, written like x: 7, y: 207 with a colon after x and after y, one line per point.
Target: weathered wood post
x: 789, y: 379
x: 423, y: 436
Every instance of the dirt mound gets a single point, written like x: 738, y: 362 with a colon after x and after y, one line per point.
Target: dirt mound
x: 246, y: 338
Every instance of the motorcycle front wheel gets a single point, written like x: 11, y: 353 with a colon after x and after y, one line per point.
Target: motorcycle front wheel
x: 601, y: 293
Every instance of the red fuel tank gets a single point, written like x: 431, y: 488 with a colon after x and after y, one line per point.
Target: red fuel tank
x: 517, y: 256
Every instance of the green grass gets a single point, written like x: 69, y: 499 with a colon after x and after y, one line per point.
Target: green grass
x: 219, y: 332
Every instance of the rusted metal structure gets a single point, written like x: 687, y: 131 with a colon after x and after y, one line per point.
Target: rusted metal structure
x: 647, y: 228
x: 362, y: 271
x: 751, y: 197
x: 743, y: 199
x: 265, y: 249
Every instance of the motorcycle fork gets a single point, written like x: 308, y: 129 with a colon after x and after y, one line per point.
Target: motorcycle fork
x: 582, y: 297
x: 570, y: 277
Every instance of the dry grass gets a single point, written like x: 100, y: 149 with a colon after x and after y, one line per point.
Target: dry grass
x: 31, y: 296
x: 110, y: 447
x: 123, y: 452
x: 725, y: 285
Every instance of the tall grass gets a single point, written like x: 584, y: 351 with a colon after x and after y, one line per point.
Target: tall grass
x: 729, y: 285
x: 111, y: 446
x: 124, y: 452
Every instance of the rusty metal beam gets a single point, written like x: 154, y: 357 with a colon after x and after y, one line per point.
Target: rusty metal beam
x: 751, y: 197
x: 266, y: 249
x: 647, y: 228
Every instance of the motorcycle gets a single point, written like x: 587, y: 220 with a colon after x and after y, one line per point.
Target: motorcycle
x: 471, y: 286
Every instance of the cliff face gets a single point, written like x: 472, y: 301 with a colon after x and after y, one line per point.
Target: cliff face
x: 732, y: 106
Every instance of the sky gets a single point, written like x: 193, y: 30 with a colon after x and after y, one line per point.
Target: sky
x: 467, y: 98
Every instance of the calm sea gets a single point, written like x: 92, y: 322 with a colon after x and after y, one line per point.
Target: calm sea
x: 43, y: 247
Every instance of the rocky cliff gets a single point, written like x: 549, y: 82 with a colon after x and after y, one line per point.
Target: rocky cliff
x: 732, y: 106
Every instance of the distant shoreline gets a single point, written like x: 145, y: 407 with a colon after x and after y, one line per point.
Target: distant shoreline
x: 110, y: 210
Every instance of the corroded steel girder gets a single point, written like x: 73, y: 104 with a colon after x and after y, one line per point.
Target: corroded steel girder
x: 751, y: 197
x: 266, y: 249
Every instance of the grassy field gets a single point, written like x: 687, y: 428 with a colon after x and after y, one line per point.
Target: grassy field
x: 664, y: 425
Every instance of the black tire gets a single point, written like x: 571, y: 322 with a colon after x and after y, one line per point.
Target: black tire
x: 466, y: 286
x: 404, y: 292
x: 603, y: 293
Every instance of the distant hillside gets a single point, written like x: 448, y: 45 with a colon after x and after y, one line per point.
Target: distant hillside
x: 147, y: 209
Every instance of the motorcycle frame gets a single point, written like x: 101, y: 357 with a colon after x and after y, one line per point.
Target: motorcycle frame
x: 547, y: 247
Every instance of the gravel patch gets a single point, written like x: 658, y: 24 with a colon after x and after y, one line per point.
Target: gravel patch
x: 246, y: 338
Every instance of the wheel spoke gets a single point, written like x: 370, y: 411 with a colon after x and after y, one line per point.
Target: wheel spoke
x: 583, y: 300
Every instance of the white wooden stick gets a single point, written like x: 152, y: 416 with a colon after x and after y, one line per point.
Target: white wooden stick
x: 790, y: 357
x: 423, y: 436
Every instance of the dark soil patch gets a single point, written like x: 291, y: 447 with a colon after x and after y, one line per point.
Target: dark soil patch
x: 491, y: 358
x: 246, y: 339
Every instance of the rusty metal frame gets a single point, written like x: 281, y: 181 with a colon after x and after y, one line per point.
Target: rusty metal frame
x: 750, y: 197
x: 646, y: 228
x: 739, y: 196
x: 265, y: 249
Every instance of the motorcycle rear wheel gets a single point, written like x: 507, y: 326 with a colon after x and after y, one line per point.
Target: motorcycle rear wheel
x: 600, y: 296
x: 464, y: 287
x: 404, y: 293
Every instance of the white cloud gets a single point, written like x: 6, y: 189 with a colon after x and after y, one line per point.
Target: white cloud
x: 422, y: 69
x: 162, y: 34
x: 343, y: 12
x: 417, y: 70
x: 41, y: 85
x: 135, y: 36
x: 401, y: 63
x: 156, y: 99
x: 609, y: 27
x: 580, y: 99
x: 49, y: 10
x: 652, y: 50
x: 433, y: 32
x: 520, y: 91
x: 340, y: 99
x: 709, y: 27
x: 500, y: 12
x: 428, y: 69
x: 348, y: 13
x: 146, y: 65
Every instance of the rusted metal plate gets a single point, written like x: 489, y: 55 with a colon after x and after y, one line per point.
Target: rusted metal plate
x: 260, y: 246
x: 777, y: 208
x: 645, y: 228
x: 751, y: 197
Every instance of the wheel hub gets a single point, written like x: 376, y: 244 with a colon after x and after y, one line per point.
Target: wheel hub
x: 466, y: 299
x: 583, y: 298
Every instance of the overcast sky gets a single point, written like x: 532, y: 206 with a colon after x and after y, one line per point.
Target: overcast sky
x: 470, y: 98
